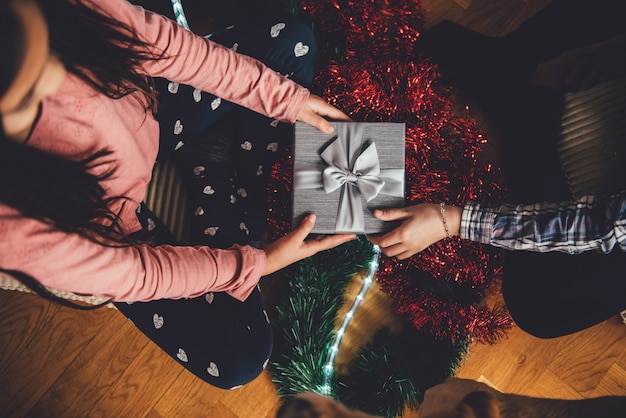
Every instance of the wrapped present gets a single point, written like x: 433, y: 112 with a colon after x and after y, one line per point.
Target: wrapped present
x: 343, y: 176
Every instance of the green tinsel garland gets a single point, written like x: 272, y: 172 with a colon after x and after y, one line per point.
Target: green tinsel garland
x: 306, y: 315
x: 390, y: 372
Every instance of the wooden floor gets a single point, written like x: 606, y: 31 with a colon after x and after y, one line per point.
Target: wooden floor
x: 57, y: 362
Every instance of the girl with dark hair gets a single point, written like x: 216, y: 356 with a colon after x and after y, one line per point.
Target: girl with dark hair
x: 90, y: 92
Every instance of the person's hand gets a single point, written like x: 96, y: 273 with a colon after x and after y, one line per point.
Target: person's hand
x: 598, y: 63
x: 421, y: 227
x: 582, y: 68
x: 315, y: 108
x: 293, y: 247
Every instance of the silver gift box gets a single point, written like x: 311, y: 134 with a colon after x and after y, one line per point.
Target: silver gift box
x: 343, y: 176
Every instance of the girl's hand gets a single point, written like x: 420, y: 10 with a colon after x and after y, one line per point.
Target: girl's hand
x: 314, y: 108
x: 293, y: 247
x: 421, y: 227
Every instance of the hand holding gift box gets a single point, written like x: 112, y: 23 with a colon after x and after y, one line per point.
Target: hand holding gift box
x: 343, y: 176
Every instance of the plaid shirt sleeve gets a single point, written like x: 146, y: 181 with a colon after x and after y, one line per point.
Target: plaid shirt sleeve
x: 590, y: 223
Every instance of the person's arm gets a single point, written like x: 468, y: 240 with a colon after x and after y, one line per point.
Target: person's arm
x: 140, y: 273
x: 590, y: 223
x: 199, y: 62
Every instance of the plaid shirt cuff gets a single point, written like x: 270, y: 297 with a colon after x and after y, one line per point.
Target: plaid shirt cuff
x: 477, y: 222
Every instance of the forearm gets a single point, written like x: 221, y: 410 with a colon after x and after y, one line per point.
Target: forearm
x: 194, y: 60
x: 586, y: 224
x: 73, y: 263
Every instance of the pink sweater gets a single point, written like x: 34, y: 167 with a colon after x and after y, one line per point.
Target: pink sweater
x: 78, y: 120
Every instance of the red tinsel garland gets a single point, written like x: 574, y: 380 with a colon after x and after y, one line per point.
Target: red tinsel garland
x: 380, y: 79
x: 390, y: 26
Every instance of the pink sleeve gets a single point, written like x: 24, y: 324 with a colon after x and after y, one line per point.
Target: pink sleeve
x: 201, y: 63
x: 70, y: 262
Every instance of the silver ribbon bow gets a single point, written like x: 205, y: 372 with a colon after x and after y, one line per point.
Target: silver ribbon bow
x: 353, y: 167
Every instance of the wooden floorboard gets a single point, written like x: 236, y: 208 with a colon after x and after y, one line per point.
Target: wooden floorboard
x: 34, y: 368
x: 95, y: 370
x: 20, y: 323
x: 582, y: 365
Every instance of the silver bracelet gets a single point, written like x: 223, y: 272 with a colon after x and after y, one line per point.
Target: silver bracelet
x: 442, y: 209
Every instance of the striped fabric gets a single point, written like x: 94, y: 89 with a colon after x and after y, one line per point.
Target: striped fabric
x: 167, y: 199
x: 593, y: 139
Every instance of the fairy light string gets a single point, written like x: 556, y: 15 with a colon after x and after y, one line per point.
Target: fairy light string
x: 329, y: 365
x: 179, y: 13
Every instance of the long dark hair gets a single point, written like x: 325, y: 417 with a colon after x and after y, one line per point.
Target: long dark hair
x: 65, y: 194
x: 104, y: 52
x: 59, y: 192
